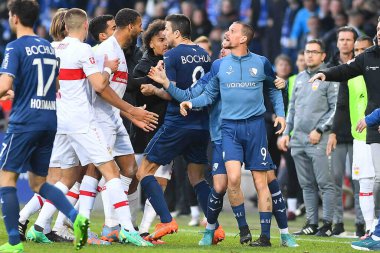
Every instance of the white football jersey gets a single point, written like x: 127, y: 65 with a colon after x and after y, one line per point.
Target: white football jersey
x: 77, y: 62
x: 105, y: 113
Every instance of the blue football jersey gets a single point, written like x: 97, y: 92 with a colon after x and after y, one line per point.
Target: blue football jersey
x: 184, y: 65
x: 32, y: 63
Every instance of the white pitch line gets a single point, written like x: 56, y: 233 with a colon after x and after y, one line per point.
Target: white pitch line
x: 277, y: 237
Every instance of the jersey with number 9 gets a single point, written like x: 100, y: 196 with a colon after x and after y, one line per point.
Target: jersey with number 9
x: 32, y: 63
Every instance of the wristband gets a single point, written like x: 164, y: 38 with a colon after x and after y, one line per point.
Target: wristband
x: 319, y: 130
x: 108, y: 70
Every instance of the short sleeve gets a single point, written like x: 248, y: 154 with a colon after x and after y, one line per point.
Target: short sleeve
x: 88, y: 61
x: 11, y: 60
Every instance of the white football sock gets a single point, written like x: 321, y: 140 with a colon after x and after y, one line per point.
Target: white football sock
x: 87, y: 195
x: 34, y: 204
x: 148, y: 218
x: 366, y: 201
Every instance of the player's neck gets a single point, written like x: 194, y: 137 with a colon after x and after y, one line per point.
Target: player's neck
x: 121, y: 39
x: 239, y: 51
x: 185, y: 41
x: 24, y: 31
x: 77, y: 35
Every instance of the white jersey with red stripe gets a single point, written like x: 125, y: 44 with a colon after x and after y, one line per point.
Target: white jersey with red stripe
x: 107, y: 115
x: 77, y: 62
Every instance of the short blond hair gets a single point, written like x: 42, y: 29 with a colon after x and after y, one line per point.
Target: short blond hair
x: 203, y: 39
x: 74, y: 19
x: 57, y: 27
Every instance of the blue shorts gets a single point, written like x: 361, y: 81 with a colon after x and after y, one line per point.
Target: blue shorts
x: 170, y: 142
x: 246, y: 141
x: 28, y: 151
x: 218, y: 166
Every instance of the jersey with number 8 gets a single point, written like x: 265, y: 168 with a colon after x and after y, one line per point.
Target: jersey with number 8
x: 31, y: 61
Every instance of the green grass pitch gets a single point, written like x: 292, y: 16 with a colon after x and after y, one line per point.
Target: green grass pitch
x: 186, y: 240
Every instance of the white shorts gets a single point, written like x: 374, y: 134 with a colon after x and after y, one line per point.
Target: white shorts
x: 60, y: 147
x: 362, y: 165
x: 119, y: 141
x: 90, y: 147
x: 164, y: 171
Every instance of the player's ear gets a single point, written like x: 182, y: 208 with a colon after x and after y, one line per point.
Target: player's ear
x: 243, y: 39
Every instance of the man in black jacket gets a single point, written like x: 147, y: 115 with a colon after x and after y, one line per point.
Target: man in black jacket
x: 340, y: 139
x: 368, y: 65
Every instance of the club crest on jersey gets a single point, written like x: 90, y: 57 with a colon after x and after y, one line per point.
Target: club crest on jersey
x: 92, y: 60
x: 253, y: 71
x: 215, y: 166
x: 315, y: 85
x: 230, y: 70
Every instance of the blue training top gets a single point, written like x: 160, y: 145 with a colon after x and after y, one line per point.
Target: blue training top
x: 184, y: 65
x: 31, y: 61
x: 195, y: 91
x: 241, y: 82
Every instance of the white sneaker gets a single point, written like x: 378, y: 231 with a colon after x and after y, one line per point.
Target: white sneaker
x: 194, y: 222
x: 65, y: 233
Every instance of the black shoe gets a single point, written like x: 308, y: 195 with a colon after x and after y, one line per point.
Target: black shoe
x: 262, y: 241
x: 360, y: 230
x: 338, y: 229
x: 52, y: 236
x: 22, y: 230
x: 245, y: 235
x: 308, y: 229
x: 325, y: 230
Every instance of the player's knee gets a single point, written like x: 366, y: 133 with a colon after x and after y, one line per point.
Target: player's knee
x: 35, y: 186
x: 234, y: 181
x: 220, y: 188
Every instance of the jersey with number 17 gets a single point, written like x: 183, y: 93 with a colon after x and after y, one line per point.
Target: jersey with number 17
x: 32, y: 63
x: 185, y: 64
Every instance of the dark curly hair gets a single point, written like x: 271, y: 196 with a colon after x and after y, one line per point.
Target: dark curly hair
x: 153, y: 29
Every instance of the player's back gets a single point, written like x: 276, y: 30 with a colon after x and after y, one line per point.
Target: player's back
x: 32, y: 63
x: 76, y: 63
x: 185, y: 64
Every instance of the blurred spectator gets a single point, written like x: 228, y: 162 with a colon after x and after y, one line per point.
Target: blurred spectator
x: 313, y: 25
x: 300, y: 28
x: 187, y: 9
x: 140, y: 7
x: 289, y: 16
x: 356, y: 21
x: 159, y: 11
x: 228, y: 14
x: 204, y: 43
x: 268, y: 26
x: 325, y: 16
x: 245, y: 11
x: 216, y: 37
x: 329, y: 38
x: 200, y: 25
x: 213, y: 10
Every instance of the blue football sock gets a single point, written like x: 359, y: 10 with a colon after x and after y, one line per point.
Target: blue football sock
x: 155, y: 195
x: 11, y: 210
x: 215, y: 204
x: 265, y: 221
x: 239, y: 212
x: 202, y: 190
x: 278, y: 202
x: 59, y: 200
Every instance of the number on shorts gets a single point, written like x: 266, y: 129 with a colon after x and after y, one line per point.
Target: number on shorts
x: 3, y: 149
x: 263, y: 153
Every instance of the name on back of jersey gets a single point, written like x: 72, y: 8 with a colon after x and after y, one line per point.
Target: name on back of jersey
x: 36, y: 103
x: 40, y: 49
x: 195, y: 58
